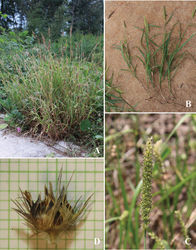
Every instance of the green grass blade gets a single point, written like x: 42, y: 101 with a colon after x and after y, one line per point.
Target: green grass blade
x: 176, y: 187
x: 115, y: 204
x: 141, y: 60
x: 193, y: 14
x: 169, y: 19
x: 131, y: 209
x: 116, y: 135
x: 164, y: 13
x: 176, y: 127
x: 123, y: 189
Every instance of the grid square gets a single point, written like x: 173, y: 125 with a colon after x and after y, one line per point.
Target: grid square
x: 3, y: 177
x: 3, y: 186
x: 4, y: 243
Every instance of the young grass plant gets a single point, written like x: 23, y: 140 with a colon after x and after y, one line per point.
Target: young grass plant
x: 161, y: 53
x: 114, y: 100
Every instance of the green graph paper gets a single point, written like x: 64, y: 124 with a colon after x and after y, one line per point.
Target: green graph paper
x: 32, y: 175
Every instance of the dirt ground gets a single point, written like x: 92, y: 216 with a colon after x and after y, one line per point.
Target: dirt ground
x: 15, y: 144
x: 132, y: 13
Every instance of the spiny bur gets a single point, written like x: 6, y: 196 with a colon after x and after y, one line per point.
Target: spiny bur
x: 52, y: 215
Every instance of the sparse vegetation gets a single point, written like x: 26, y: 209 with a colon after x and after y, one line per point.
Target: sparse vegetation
x: 161, y: 51
x: 114, y: 101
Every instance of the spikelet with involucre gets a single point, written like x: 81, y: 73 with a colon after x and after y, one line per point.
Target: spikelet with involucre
x: 52, y: 215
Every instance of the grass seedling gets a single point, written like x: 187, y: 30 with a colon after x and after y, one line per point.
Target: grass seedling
x: 114, y: 100
x: 161, y: 53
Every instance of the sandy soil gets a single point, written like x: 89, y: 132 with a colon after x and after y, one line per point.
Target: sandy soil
x: 132, y: 13
x: 13, y: 144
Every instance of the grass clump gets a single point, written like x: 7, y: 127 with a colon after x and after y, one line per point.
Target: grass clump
x: 56, y: 97
x: 161, y: 52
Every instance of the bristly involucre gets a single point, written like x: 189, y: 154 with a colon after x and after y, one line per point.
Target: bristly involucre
x: 52, y: 215
x: 146, y: 203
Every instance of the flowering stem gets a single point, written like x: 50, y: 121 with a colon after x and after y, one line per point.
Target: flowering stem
x: 145, y: 238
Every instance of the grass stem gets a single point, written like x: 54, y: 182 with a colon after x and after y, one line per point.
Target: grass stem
x: 145, y: 233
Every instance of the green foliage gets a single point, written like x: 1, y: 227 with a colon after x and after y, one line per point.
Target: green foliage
x: 85, y: 125
x: 53, y: 16
x: 13, y: 42
x: 85, y: 16
x: 80, y: 46
x: 45, y: 15
x: 7, y: 11
x: 14, y: 118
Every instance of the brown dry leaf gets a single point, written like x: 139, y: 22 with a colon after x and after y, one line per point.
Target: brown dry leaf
x: 191, y: 219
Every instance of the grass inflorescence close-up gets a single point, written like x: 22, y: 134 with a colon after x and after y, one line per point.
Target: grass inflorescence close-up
x: 150, y: 178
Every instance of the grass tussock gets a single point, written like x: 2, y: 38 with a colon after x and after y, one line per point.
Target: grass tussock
x: 54, y: 95
x: 55, y: 90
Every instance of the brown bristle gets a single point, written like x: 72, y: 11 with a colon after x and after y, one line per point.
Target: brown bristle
x: 52, y: 215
